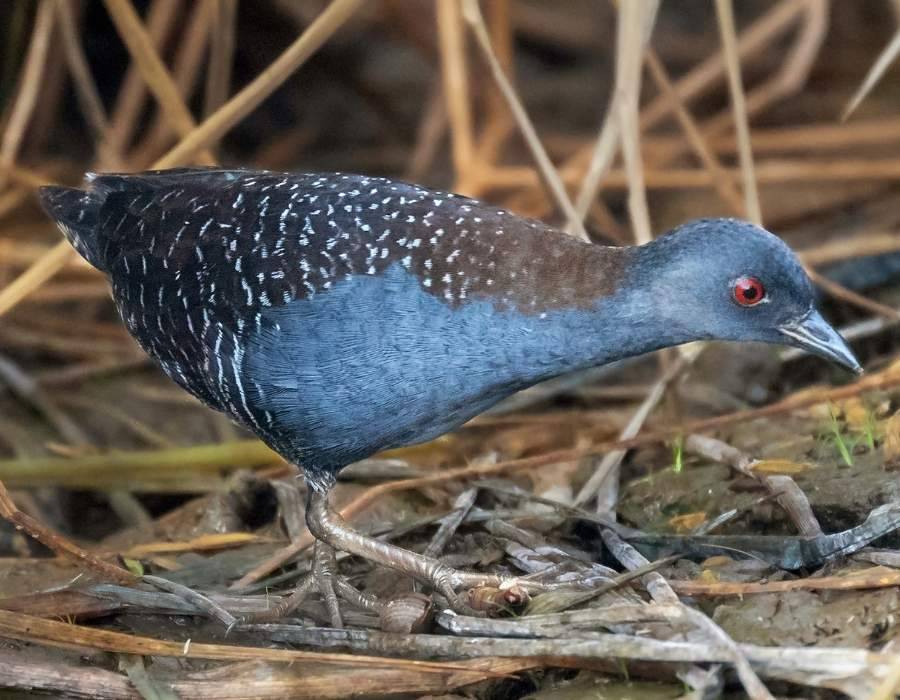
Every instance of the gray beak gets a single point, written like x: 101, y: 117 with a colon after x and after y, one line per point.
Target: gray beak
x: 813, y: 334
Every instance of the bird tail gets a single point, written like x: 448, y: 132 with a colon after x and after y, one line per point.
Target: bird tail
x: 77, y: 213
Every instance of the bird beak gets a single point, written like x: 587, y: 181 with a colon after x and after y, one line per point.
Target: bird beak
x: 814, y: 334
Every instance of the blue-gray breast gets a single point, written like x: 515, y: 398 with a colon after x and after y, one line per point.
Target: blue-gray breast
x: 338, y: 315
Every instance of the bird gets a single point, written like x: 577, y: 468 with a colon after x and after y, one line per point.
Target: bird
x: 336, y: 315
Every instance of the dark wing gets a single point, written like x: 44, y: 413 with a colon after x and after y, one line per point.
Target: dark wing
x: 197, y: 257
x: 161, y: 179
x: 169, y: 241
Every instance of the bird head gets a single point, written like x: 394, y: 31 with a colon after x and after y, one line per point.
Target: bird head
x: 726, y: 279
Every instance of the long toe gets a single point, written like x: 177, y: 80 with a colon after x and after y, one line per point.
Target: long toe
x: 325, y: 572
x: 324, y: 579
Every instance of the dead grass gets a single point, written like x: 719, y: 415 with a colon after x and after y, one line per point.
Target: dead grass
x: 729, y: 120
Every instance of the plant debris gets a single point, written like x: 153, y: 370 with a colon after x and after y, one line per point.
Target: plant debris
x: 709, y: 518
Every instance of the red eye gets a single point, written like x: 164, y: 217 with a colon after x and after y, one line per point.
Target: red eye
x: 749, y: 291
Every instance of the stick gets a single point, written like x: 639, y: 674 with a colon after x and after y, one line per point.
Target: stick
x: 725, y: 13
x: 548, y: 173
x: 57, y: 543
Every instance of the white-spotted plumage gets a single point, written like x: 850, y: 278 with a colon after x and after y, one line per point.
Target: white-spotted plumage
x: 197, y: 256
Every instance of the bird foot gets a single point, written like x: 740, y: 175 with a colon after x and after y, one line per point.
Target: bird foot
x: 446, y: 582
x: 324, y: 579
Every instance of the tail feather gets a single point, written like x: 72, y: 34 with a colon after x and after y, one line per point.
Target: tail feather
x: 76, y: 212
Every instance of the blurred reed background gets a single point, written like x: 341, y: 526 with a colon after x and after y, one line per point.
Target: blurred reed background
x: 613, y: 121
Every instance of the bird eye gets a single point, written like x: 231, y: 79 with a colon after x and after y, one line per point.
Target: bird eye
x: 749, y: 291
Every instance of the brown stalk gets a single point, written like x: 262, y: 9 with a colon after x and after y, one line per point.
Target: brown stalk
x: 753, y: 41
x: 472, y: 15
x: 721, y: 178
x: 189, y: 59
x: 878, y: 69
x: 132, y: 94
x: 497, y: 121
x: 878, y: 577
x: 86, y: 87
x: 36, y: 275
x: 807, y: 138
x: 848, y: 295
x: 456, y: 88
x: 156, y: 75
x: 19, y: 251
x: 24, y: 176
x: 256, y: 680
x: 66, y: 636
x: 767, y: 172
x: 115, y: 415
x: 789, y: 78
x: 601, y: 158
x: 725, y: 13
x: 635, y: 21
x: 78, y: 471
x: 245, y: 101
x: 57, y: 543
x: 221, y: 55
x: 858, y: 246
x: 30, y: 84
x: 13, y: 198
x: 432, y: 127
x: 606, y: 145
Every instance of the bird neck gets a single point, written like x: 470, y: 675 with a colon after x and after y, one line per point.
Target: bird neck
x: 616, y: 324
x: 578, y: 339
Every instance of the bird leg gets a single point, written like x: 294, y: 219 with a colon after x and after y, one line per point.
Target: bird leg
x: 324, y: 578
x: 329, y: 527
